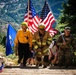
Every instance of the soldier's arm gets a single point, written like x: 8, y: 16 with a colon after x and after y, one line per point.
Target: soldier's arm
x: 73, y: 42
x: 60, y: 41
x: 74, y: 46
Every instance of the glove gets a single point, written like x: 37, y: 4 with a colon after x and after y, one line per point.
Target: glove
x: 16, y: 53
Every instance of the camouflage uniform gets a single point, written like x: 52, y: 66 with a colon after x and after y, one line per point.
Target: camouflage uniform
x: 41, y: 44
x: 65, y: 52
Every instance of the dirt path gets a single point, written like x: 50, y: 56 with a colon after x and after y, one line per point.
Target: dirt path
x: 37, y: 71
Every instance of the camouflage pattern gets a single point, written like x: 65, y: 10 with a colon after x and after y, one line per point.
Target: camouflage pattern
x: 65, y: 52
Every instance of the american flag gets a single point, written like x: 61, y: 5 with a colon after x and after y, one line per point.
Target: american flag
x: 48, y: 19
x: 31, y: 17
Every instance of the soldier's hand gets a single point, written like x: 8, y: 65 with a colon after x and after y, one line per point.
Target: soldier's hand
x: 16, y: 50
x: 64, y: 43
x: 16, y: 53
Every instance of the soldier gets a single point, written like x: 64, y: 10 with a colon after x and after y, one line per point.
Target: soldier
x: 41, y: 42
x: 23, y: 43
x: 67, y: 45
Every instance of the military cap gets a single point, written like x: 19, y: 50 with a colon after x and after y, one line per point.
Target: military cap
x: 67, y: 28
x: 24, y: 24
x: 41, y: 26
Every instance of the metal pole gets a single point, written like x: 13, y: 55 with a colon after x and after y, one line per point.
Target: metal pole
x: 28, y: 12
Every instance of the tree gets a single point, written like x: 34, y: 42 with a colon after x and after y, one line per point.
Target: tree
x: 68, y: 16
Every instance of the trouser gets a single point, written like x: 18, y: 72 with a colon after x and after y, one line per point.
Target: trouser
x: 64, y: 57
x: 23, y: 52
x: 43, y: 61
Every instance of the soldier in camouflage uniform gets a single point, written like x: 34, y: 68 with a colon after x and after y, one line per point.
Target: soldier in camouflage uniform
x: 67, y: 46
x: 41, y: 42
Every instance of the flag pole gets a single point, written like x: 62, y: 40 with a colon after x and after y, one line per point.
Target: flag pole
x: 28, y: 13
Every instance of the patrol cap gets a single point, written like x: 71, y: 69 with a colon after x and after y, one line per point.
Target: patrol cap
x: 41, y: 26
x: 24, y: 24
x: 67, y: 28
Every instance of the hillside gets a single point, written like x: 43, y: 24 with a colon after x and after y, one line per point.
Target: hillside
x: 13, y: 11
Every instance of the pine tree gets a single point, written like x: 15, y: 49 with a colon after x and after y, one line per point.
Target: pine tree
x: 68, y: 16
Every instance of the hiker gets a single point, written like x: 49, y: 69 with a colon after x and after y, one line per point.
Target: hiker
x: 23, y: 43
x: 67, y: 46
x: 41, y: 42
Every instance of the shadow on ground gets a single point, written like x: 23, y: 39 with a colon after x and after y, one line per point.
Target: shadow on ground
x: 51, y: 67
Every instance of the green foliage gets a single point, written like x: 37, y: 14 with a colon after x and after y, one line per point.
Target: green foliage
x: 60, y: 27
x: 11, y: 56
x: 2, y: 49
x: 1, y: 36
x: 3, y: 41
x: 68, y: 16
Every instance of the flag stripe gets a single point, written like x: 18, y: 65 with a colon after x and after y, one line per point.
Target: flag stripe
x: 48, y: 19
x: 32, y: 18
x: 35, y: 21
x: 31, y: 29
x: 49, y: 25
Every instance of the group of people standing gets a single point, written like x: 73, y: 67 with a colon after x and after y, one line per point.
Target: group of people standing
x: 38, y: 45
